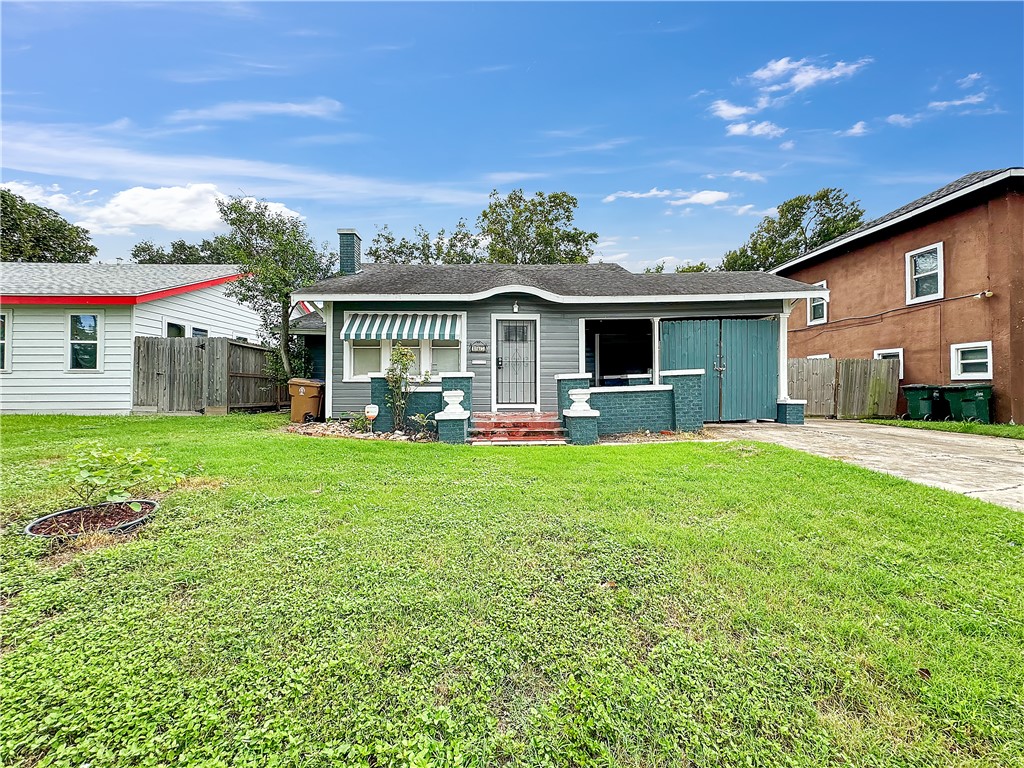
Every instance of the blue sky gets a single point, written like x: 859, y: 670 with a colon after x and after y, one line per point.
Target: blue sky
x: 677, y: 125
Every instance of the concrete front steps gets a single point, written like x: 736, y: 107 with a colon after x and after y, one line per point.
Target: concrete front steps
x: 516, y: 428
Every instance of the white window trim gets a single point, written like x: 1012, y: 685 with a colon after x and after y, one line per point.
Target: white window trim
x: 824, y: 305
x: 909, y: 274
x: 385, y: 352
x: 100, y: 331
x: 955, y: 373
x: 6, y: 367
x: 825, y: 356
x: 877, y: 355
x: 495, y: 317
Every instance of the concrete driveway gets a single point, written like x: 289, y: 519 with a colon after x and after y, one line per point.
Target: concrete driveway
x: 989, y: 468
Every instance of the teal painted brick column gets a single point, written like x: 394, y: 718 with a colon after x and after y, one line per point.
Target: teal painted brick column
x: 687, y: 398
x: 453, y: 421
x: 581, y: 419
x: 379, y: 397
x: 567, y: 381
x: 460, y: 381
x: 790, y: 411
x: 632, y: 409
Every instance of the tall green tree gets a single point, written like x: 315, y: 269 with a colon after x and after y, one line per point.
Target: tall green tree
x: 33, y: 233
x: 461, y: 246
x: 210, y: 251
x: 803, y: 223
x: 534, y: 230
x: 513, y: 229
x: 279, y: 257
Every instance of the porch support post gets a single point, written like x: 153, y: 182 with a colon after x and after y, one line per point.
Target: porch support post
x: 784, y: 352
x: 656, y: 363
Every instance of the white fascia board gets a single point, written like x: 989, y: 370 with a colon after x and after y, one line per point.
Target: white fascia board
x: 899, y: 219
x: 813, y: 293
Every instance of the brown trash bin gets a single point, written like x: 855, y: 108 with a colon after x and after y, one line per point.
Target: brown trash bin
x: 307, y: 398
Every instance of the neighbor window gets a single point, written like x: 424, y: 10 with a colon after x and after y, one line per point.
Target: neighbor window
x: 5, y: 346
x: 200, y: 333
x: 365, y: 357
x: 175, y: 331
x: 891, y: 354
x: 925, y: 274
x: 84, y: 333
x: 970, y: 361
x: 817, y: 309
x: 445, y: 357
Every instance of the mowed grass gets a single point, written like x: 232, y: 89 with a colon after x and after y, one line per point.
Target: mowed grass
x: 318, y: 602
x: 1013, y: 431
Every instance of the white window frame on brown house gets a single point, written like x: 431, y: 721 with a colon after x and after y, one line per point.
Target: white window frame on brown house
x: 911, y: 276
x: 812, y: 303
x: 956, y: 372
x: 880, y: 354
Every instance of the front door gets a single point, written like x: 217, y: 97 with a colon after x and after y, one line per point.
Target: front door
x: 515, y: 363
x: 741, y: 362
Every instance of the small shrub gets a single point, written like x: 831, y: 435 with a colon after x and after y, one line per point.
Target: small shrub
x: 96, y: 473
x: 400, y: 384
x: 425, y: 426
x: 359, y: 423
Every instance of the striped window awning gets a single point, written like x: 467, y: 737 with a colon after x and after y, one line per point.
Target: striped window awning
x: 436, y: 327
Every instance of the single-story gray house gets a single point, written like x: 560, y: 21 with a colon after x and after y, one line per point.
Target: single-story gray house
x: 517, y: 338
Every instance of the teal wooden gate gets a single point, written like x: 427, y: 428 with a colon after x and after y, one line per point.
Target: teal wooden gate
x: 740, y: 359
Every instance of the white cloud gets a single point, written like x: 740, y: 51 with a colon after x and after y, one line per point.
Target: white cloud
x: 746, y: 175
x: 799, y: 74
x: 76, y: 152
x: 765, y: 128
x: 321, y: 107
x: 968, y: 80
x: 189, y: 208
x: 747, y: 210
x: 598, y: 146
x: 787, y: 145
x: 901, y: 120
x: 704, y: 197
x: 729, y: 111
x: 615, y: 257
x: 860, y: 128
x: 655, y: 192
x: 974, y: 98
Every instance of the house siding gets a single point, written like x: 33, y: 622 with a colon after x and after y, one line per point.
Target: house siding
x: 983, y: 249
x: 559, y: 337
x: 209, y: 308
x: 38, y: 381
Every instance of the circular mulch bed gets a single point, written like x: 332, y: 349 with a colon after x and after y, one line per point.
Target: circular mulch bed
x: 108, y: 517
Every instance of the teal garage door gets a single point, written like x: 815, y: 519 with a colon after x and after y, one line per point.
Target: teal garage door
x: 740, y: 359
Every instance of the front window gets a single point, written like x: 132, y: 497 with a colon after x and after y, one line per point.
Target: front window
x: 84, y: 342
x: 925, y: 274
x: 971, y: 361
x: 365, y: 357
x: 817, y: 309
x: 5, y: 347
x: 446, y: 357
x: 413, y: 345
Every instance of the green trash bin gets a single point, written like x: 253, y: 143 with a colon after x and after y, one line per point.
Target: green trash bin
x: 924, y: 402
x: 969, y: 402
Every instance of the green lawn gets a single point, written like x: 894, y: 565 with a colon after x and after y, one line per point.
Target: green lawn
x: 340, y: 602
x: 1015, y: 431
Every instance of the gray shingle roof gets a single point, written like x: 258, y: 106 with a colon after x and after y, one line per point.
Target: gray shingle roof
x: 922, y: 202
x: 311, y: 322
x: 570, y: 280
x: 104, y: 279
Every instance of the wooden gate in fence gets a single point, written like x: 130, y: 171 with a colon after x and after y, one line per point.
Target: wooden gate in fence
x: 845, y: 389
x: 207, y: 375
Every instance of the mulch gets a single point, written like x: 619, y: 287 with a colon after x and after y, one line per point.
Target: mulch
x: 101, y: 517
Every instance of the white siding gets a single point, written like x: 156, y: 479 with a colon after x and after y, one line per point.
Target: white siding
x: 39, y: 381
x: 208, y: 308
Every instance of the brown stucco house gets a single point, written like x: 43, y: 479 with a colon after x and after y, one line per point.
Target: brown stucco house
x: 937, y: 284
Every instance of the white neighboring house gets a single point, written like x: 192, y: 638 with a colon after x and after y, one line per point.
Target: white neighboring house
x: 67, y: 330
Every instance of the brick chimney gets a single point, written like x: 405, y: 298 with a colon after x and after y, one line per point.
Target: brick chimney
x: 349, y: 245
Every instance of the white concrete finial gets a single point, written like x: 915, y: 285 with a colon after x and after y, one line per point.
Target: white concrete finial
x: 453, y: 400
x: 580, y: 399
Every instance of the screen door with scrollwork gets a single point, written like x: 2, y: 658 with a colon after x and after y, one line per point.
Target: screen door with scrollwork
x: 515, y: 362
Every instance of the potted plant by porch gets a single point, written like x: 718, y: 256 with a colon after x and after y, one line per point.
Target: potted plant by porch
x: 107, y: 484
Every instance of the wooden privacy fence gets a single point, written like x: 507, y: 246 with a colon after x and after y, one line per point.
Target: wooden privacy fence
x: 845, y: 389
x: 208, y: 375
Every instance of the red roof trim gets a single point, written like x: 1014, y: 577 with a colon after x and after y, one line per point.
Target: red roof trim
x: 140, y: 299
